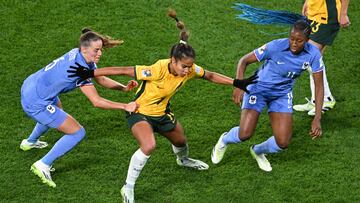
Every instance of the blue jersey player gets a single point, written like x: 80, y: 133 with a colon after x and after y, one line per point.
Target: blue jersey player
x: 284, y: 61
x: 40, y: 101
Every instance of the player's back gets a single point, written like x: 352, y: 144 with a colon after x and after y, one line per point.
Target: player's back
x: 52, y: 80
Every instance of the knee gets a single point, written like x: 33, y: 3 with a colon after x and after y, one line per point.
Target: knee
x: 148, y: 147
x: 80, y: 134
x: 283, y: 143
x: 180, y: 142
x: 245, y: 134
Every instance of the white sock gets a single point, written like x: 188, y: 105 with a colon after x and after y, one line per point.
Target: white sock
x: 327, y: 93
x: 181, y: 152
x: 137, y: 163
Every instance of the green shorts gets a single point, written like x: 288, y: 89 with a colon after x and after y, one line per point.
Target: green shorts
x: 159, y: 124
x: 323, y: 33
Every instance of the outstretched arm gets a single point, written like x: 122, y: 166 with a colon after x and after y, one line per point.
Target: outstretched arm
x: 121, y: 70
x: 84, y: 73
x: 99, y: 102
x: 218, y: 78
x: 112, y: 84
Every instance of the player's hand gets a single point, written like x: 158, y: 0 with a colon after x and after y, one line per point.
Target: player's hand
x: 130, y: 86
x: 80, y: 71
x: 316, y: 130
x: 344, y: 21
x: 237, y: 96
x: 242, y: 84
x: 131, y: 107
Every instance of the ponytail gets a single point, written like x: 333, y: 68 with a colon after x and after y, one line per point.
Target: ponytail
x: 89, y: 35
x: 181, y: 49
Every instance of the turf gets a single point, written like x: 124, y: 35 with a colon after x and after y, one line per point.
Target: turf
x: 33, y: 33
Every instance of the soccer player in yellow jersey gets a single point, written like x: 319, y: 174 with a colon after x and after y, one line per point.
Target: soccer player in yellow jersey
x: 326, y: 16
x: 160, y: 82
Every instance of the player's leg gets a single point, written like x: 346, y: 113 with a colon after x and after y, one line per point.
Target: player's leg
x: 73, y: 131
x: 33, y: 140
x: 280, y: 112
x: 144, y: 135
x: 181, y: 149
x: 251, y: 108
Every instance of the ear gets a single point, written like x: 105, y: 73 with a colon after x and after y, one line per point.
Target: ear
x: 173, y: 60
x: 83, y: 49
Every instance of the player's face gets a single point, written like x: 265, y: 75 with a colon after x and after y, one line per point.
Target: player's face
x: 93, y: 52
x: 182, y: 67
x: 297, y: 41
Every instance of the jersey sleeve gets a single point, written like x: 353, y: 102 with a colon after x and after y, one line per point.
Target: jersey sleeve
x: 148, y: 72
x: 317, y: 63
x: 262, y: 53
x: 197, y: 71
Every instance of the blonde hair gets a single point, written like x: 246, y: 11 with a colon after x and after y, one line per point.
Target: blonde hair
x: 89, y: 36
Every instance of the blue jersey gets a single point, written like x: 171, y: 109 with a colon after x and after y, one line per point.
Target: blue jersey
x: 42, y: 88
x: 281, y: 67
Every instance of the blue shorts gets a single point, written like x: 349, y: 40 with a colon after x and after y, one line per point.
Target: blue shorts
x: 258, y: 101
x: 50, y: 115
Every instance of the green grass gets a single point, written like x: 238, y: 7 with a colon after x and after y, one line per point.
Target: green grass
x: 33, y: 33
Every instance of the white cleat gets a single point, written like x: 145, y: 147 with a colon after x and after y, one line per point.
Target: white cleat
x: 219, y: 150
x: 127, y: 195
x: 43, y: 172
x: 261, y: 160
x: 192, y: 163
x: 327, y: 105
x: 304, y: 107
x: 26, y: 145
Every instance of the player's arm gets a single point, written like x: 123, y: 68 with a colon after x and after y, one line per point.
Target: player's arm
x: 112, y: 84
x: 85, y: 73
x: 90, y: 92
x: 120, y: 70
x: 218, y: 78
x: 241, y: 68
x: 316, y: 130
x: 344, y: 18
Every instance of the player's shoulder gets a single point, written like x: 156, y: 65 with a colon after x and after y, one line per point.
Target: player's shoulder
x: 312, y: 49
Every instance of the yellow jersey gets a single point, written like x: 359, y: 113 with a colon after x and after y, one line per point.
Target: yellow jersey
x: 324, y: 11
x: 159, y: 85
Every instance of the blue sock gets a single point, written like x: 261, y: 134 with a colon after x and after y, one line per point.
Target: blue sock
x: 65, y: 144
x: 39, y: 130
x: 267, y: 147
x: 232, y: 136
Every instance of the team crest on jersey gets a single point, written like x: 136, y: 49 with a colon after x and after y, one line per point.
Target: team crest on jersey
x: 252, y: 99
x: 146, y: 73
x: 262, y: 49
x: 50, y: 109
x: 306, y: 65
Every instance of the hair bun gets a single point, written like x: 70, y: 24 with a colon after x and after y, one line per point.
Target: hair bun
x: 85, y: 30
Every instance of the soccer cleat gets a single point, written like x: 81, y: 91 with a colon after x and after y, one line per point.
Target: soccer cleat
x: 326, y: 107
x: 261, y: 160
x: 218, y: 150
x: 43, y: 172
x: 304, y: 107
x: 26, y: 145
x: 127, y: 195
x: 192, y: 163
